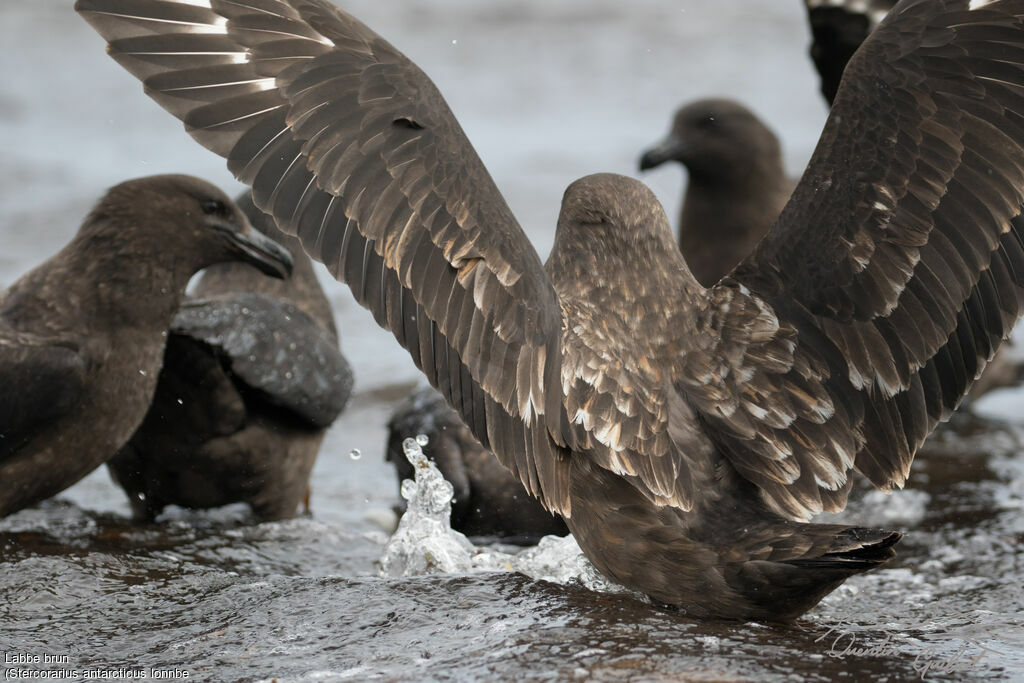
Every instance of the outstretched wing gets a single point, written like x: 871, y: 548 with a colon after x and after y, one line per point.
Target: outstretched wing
x: 350, y: 146
x: 44, y: 380
x: 275, y: 348
x: 893, y: 273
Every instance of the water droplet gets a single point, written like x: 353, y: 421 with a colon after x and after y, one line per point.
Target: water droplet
x: 409, y: 489
x: 142, y: 372
x: 355, y: 454
x: 422, y: 439
x: 455, y: 42
x: 180, y: 402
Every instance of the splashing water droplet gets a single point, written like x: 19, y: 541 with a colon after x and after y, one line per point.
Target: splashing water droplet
x: 424, y: 542
x: 355, y: 454
x: 422, y: 439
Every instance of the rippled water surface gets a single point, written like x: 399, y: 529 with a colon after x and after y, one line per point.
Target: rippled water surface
x: 548, y: 91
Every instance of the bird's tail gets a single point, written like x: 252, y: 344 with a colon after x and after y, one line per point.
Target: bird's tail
x: 806, y: 563
x: 732, y: 558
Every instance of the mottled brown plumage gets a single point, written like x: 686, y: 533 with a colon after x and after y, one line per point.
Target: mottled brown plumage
x: 838, y: 27
x: 82, y: 335
x: 737, y: 189
x: 682, y: 436
x: 736, y: 185
x: 252, y: 378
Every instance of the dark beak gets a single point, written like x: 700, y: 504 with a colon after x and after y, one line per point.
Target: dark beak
x: 667, y: 150
x: 260, y: 251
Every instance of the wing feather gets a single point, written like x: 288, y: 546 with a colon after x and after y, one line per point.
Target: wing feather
x: 351, y: 148
x: 894, y: 271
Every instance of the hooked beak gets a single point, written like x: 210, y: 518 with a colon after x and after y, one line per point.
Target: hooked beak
x: 667, y: 150
x: 258, y: 250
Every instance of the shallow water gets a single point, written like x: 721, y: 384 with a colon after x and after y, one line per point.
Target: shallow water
x: 547, y: 92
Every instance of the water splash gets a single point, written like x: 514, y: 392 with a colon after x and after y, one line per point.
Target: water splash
x: 556, y: 559
x: 425, y: 543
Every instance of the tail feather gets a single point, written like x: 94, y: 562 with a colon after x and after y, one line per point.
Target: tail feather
x: 783, y: 589
x: 857, y: 549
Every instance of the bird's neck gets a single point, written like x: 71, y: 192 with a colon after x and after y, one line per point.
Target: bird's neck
x: 626, y: 287
x: 722, y: 221
x: 759, y: 175
x: 105, y: 283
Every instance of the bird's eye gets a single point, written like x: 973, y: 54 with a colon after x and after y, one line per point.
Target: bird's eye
x: 213, y: 207
x: 707, y: 122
